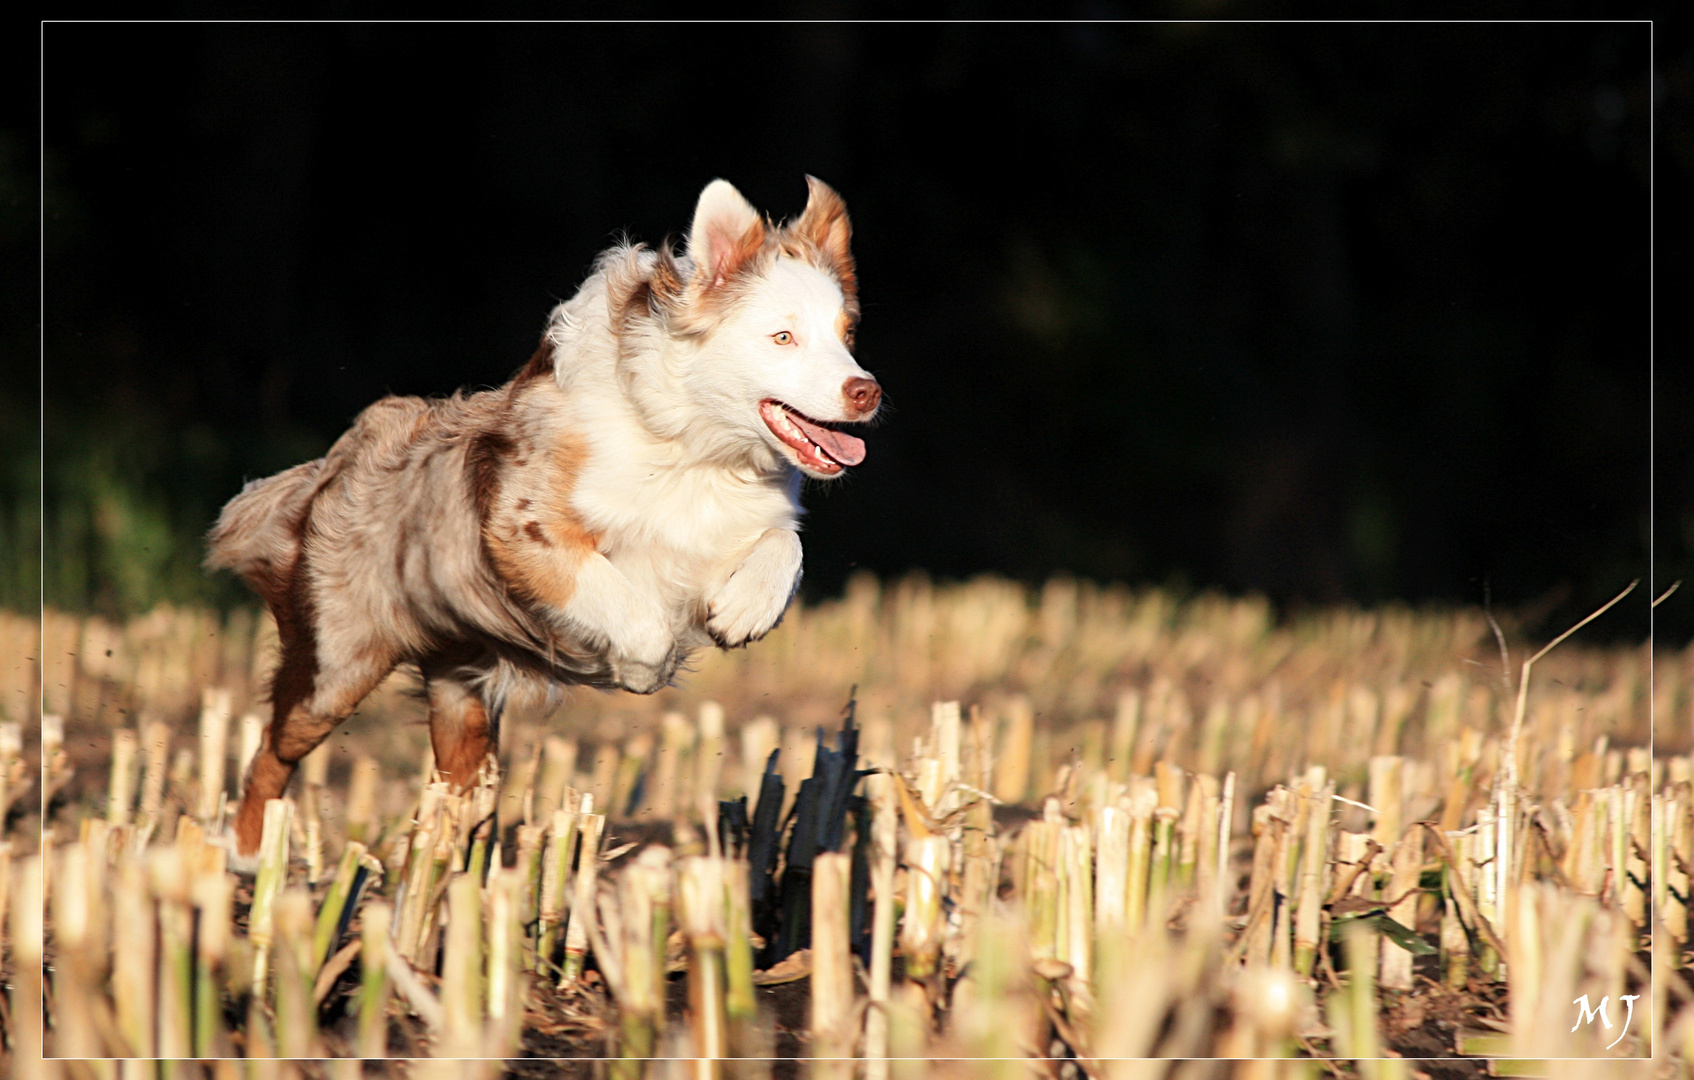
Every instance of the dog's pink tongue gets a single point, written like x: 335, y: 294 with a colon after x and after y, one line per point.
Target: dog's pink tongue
x: 843, y: 448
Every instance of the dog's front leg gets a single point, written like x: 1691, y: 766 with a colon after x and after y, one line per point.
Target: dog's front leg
x: 752, y: 601
x: 605, y: 606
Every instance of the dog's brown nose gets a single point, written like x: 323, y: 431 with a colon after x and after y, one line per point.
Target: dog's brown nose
x: 863, y: 395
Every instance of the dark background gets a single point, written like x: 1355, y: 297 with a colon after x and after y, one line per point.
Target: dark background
x: 1330, y: 312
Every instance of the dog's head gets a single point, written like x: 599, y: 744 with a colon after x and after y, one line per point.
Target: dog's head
x: 760, y: 321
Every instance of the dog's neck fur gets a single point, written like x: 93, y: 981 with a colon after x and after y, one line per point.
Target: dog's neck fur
x: 667, y: 479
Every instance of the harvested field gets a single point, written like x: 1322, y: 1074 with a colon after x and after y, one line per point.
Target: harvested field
x: 1075, y: 824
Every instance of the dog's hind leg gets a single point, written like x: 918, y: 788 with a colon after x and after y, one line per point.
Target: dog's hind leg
x: 463, y: 727
x: 306, y: 705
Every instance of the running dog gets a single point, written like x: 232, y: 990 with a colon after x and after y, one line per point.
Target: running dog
x: 630, y: 497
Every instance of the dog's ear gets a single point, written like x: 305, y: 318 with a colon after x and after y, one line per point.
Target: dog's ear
x: 824, y: 223
x: 727, y: 232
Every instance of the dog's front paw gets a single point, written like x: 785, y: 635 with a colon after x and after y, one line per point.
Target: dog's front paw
x: 752, y: 601
x: 641, y: 677
x: 645, y: 662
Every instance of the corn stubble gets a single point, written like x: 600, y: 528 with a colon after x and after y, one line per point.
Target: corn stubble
x: 1159, y: 830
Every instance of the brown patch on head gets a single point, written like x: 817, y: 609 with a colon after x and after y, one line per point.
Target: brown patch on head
x: 729, y: 255
x: 725, y: 264
x: 824, y: 232
x: 532, y: 529
x: 847, y: 330
x: 716, y: 282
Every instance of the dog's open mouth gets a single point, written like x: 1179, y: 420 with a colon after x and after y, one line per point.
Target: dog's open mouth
x: 820, y: 448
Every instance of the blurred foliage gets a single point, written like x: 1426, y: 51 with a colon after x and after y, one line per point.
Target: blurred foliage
x: 121, y: 539
x: 20, y: 448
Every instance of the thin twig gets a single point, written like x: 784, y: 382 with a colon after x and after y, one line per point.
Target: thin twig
x: 1351, y: 802
x: 1500, y: 637
x: 1523, y: 683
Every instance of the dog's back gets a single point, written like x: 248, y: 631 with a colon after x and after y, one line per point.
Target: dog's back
x: 383, y: 524
x: 261, y: 532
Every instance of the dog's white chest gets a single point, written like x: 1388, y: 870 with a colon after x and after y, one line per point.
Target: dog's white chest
x: 680, y: 529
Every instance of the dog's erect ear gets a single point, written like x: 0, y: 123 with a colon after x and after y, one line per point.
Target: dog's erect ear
x: 825, y: 224
x: 727, y: 231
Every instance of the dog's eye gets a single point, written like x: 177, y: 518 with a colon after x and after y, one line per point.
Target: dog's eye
x: 783, y: 337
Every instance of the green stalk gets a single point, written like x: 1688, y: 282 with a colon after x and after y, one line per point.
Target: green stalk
x: 420, y: 854
x: 529, y: 863
x: 484, y: 800
x: 1138, y: 866
x: 589, y: 827
x: 700, y: 895
x: 461, y: 971
x: 1308, y: 903
x: 1353, y: 1011
x: 448, y: 843
x: 641, y: 890
x: 555, y: 880
x: 373, y: 988
x: 740, y: 1005
x: 273, y: 872
x: 335, y: 902
x: 1164, y: 865
x: 926, y: 876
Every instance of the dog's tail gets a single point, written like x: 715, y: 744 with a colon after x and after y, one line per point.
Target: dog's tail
x: 258, y: 533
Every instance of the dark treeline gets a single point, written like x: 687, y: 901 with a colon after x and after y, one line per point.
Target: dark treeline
x: 1325, y: 311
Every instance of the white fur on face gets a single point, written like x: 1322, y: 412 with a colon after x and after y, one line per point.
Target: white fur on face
x: 741, y: 362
